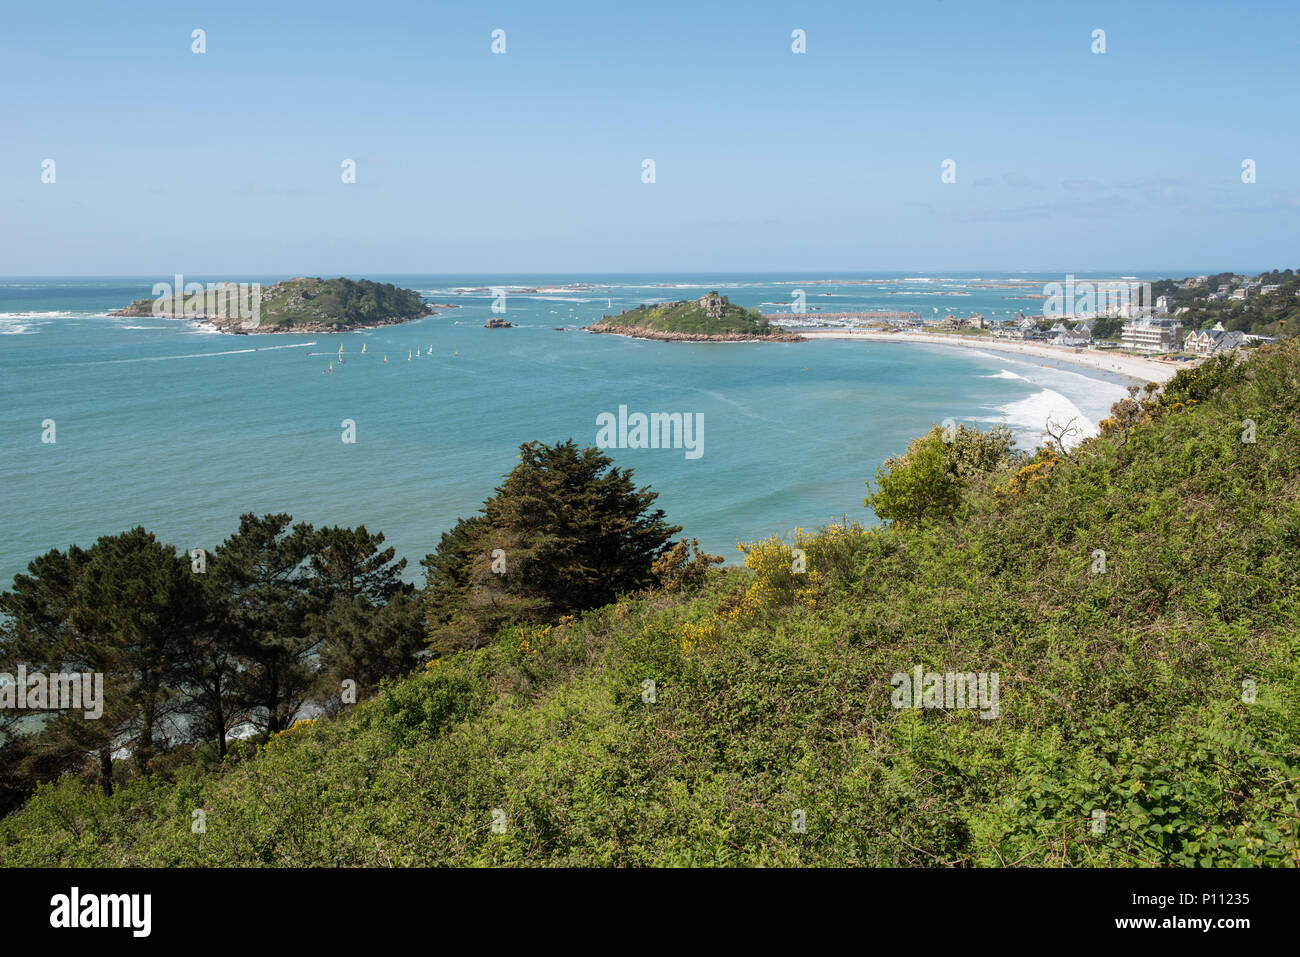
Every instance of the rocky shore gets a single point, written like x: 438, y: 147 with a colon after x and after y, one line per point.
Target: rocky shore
x: 305, y: 305
x: 242, y: 327
x: 639, y: 332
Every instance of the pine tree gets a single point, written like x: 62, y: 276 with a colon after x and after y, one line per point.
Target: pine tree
x: 270, y: 603
x: 566, y: 531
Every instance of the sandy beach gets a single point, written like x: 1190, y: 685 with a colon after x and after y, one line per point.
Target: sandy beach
x: 1136, y: 368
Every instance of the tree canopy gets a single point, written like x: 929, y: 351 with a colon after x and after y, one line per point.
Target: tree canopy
x: 565, y: 531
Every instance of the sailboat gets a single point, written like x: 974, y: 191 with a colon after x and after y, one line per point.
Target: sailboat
x: 408, y: 355
x: 385, y: 358
x: 331, y: 365
x: 363, y: 348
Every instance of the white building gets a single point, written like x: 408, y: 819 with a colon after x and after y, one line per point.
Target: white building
x: 1072, y: 339
x: 1152, y: 335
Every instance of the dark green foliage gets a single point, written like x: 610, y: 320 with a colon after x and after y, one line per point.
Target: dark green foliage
x: 270, y: 603
x: 353, y: 302
x: 124, y: 609
x: 566, y: 531
x: 135, y: 606
x: 352, y: 563
x: 374, y: 628
x: 366, y: 643
x: 281, y: 612
x: 1106, y: 327
x: 1202, y: 381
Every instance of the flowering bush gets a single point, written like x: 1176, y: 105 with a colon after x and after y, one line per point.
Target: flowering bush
x: 701, y: 636
x: 783, y: 575
x: 294, y: 731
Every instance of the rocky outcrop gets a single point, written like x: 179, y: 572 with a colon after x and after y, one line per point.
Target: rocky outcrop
x: 304, y: 304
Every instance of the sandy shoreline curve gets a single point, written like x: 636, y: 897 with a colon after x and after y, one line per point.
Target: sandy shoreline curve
x: 1136, y: 368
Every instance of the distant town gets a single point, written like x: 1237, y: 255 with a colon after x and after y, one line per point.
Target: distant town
x: 1192, y: 317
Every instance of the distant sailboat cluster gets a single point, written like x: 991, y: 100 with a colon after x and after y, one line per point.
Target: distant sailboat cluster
x: 411, y: 355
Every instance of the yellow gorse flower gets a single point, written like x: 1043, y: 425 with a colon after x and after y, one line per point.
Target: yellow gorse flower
x: 702, y: 636
x: 784, y: 575
x: 279, y: 739
x: 533, y: 639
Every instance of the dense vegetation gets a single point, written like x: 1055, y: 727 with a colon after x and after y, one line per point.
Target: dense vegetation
x: 692, y: 316
x: 1135, y: 593
x: 194, y: 648
x: 564, y: 533
x: 310, y: 303
x: 1276, y: 313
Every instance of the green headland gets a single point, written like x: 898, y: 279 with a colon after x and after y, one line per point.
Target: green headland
x: 295, y: 305
x: 711, y: 317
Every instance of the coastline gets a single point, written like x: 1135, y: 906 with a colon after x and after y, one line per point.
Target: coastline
x: 236, y: 327
x: 1135, y: 368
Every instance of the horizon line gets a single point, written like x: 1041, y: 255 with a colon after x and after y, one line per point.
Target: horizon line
x: 937, y: 273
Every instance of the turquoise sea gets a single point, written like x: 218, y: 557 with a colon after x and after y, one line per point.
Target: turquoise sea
x: 166, y: 424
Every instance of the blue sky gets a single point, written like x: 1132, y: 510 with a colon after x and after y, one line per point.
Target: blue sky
x: 229, y: 162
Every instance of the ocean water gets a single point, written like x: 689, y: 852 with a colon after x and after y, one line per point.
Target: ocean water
x: 166, y: 424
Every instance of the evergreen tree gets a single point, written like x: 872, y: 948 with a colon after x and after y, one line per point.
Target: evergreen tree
x: 352, y: 563
x: 37, y: 632
x: 270, y: 603
x: 566, y: 531
x: 124, y: 609
x: 368, y: 643
x: 210, y: 669
x: 136, y: 607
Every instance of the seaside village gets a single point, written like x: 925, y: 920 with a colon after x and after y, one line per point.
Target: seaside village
x: 1142, y: 327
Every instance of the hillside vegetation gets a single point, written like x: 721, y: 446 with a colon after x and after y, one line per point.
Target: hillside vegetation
x: 1275, y: 313
x: 1136, y: 595
x: 303, y: 304
x: 711, y: 315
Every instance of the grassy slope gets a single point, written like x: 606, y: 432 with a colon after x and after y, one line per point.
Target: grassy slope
x: 689, y: 316
x: 1121, y: 691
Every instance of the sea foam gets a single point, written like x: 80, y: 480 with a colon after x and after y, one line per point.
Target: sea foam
x: 1030, y: 416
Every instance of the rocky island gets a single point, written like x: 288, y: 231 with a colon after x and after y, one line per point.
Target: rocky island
x: 711, y: 318
x: 303, y: 305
